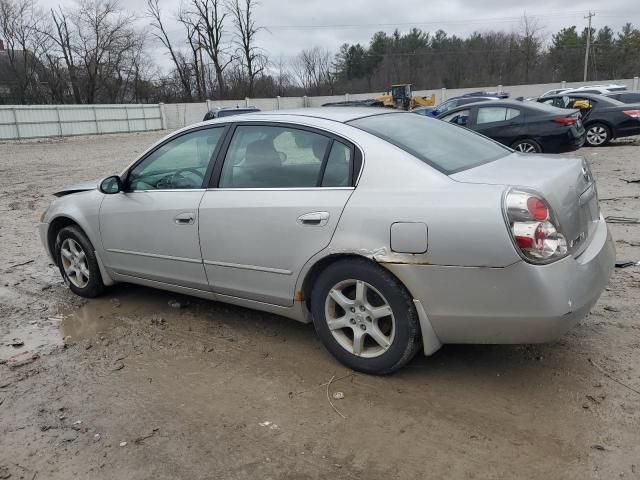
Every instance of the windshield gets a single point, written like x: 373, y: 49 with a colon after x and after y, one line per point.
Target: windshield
x: 446, y: 147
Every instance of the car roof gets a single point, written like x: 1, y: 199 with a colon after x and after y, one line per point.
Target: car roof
x: 337, y: 114
x: 497, y: 102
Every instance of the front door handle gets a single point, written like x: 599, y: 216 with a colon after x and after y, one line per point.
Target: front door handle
x: 186, y: 218
x: 314, y: 219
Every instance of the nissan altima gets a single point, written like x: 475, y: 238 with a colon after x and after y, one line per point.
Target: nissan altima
x: 391, y: 232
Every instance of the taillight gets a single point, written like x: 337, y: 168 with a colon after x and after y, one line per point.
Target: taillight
x: 533, y: 227
x: 632, y: 113
x: 565, y: 120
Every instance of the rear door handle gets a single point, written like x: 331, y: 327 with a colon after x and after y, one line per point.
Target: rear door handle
x: 186, y: 218
x: 314, y: 219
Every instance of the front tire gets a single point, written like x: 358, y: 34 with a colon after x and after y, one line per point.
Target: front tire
x: 598, y: 135
x: 77, y: 262
x: 365, y: 317
x: 527, y: 146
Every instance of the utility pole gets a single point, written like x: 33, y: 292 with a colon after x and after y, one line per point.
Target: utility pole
x: 586, y: 53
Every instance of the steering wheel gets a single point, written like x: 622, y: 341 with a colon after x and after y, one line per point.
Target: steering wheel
x: 177, y: 175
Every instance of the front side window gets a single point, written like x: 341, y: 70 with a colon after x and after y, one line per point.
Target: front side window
x: 459, y: 118
x: 178, y: 164
x: 264, y: 156
x: 445, y: 147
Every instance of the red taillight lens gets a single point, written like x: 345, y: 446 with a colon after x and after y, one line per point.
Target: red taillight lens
x: 532, y: 226
x: 537, y: 208
x: 565, y: 120
x: 632, y: 113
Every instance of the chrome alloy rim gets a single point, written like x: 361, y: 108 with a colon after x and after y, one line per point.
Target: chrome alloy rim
x: 525, y: 147
x: 74, y: 263
x: 597, y: 135
x: 360, y: 318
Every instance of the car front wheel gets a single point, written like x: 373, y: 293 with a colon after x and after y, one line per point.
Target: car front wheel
x: 598, y: 135
x: 77, y: 262
x: 365, y: 317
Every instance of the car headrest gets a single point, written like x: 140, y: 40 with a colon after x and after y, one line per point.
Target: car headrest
x: 262, y: 153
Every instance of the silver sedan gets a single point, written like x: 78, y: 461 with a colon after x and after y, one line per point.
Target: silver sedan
x: 390, y: 231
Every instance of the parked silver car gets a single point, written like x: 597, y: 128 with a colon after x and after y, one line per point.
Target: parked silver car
x: 389, y: 230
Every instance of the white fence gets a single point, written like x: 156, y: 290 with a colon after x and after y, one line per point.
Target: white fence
x: 20, y: 122
x: 181, y: 114
x: 42, y: 121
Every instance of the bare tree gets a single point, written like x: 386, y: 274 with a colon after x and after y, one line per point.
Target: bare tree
x: 253, y: 61
x: 531, y: 43
x: 153, y: 11
x: 190, y: 23
x: 210, y: 27
x: 312, y: 68
x: 62, y: 38
x: 21, y: 26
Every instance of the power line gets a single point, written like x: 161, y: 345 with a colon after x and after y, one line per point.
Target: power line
x: 471, y: 21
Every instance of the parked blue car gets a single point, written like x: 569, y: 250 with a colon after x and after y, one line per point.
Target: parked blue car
x: 454, y: 102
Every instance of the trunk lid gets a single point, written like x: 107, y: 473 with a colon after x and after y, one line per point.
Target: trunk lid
x: 566, y: 183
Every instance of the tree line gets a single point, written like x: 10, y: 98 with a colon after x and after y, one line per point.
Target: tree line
x: 96, y: 51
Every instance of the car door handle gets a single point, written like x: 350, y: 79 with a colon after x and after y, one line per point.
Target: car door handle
x: 186, y: 218
x: 314, y: 219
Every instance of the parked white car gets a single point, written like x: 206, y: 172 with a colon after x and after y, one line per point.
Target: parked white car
x: 600, y: 89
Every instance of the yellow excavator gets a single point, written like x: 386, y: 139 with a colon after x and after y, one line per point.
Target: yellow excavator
x: 402, y: 98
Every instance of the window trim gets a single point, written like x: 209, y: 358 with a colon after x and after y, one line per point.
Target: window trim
x: 207, y: 174
x: 213, y: 182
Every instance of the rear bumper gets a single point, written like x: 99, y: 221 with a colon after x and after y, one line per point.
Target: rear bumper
x: 568, y: 142
x: 521, y: 303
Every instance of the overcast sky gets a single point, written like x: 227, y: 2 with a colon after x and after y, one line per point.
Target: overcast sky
x: 292, y: 25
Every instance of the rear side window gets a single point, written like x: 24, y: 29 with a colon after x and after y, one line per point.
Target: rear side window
x: 445, y: 147
x: 265, y: 156
x: 496, y: 114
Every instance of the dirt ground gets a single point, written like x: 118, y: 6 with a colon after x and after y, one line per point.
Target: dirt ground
x: 219, y: 392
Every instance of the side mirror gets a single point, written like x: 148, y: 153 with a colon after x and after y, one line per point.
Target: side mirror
x: 111, y: 185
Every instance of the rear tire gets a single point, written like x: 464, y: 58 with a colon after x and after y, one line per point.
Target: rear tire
x: 77, y: 262
x: 527, y: 146
x: 377, y: 331
x: 598, y: 134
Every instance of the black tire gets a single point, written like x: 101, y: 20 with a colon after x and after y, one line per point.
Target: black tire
x: 526, y: 144
x: 598, y: 135
x: 94, y: 286
x: 407, y: 338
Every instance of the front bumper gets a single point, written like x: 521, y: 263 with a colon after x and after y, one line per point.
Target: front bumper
x: 521, y: 303
x: 43, y: 230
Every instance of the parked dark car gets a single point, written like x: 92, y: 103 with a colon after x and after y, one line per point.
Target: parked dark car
x: 228, y: 111
x: 625, y: 97
x: 604, y: 118
x: 454, y: 102
x: 528, y: 127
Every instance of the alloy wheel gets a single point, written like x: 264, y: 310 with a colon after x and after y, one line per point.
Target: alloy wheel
x: 360, y: 318
x: 597, y: 135
x: 74, y: 263
x: 526, y: 147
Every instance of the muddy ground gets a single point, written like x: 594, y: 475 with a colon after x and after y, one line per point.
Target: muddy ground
x: 220, y: 392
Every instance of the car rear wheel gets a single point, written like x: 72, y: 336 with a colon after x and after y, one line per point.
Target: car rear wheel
x: 598, y: 134
x: 77, y: 262
x: 365, y: 317
x: 527, y: 146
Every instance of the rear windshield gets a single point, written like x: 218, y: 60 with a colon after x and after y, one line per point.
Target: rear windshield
x: 446, y: 147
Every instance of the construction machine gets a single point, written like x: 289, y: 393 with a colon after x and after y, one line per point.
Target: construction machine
x: 402, y: 98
